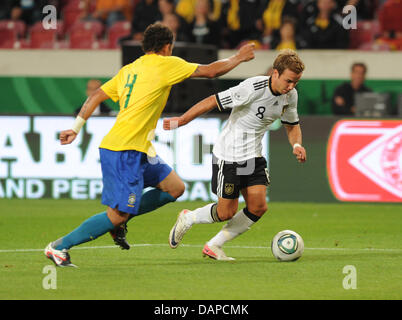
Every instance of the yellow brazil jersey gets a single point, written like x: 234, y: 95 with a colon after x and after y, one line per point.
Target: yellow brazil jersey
x: 142, y: 89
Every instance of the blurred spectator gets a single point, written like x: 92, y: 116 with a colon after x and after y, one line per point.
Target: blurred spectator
x: 172, y: 21
x: 272, y: 14
x: 146, y: 12
x: 5, y: 9
x: 365, y: 9
x: 323, y: 29
x: 242, y: 21
x: 29, y: 11
x: 110, y: 11
x: 167, y: 7
x: 390, y: 18
x: 186, y: 9
x: 102, y: 109
x: 287, y: 36
x: 343, y: 100
x: 203, y: 29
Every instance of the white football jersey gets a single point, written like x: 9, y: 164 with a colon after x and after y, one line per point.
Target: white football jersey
x: 254, y: 108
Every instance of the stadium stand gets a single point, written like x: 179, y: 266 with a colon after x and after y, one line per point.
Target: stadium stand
x: 8, y: 38
x: 83, y: 39
x: 10, y: 33
x: 72, y: 12
x: 42, y: 39
x: 80, y: 27
x: 364, y: 35
x: 95, y: 27
x: 117, y: 31
x: 18, y: 26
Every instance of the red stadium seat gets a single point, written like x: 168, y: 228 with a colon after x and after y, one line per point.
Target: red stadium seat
x: 69, y: 18
x: 19, y: 26
x: 42, y: 39
x: 71, y: 13
x: 75, y: 5
x: 8, y: 38
x: 116, y: 31
x: 95, y: 27
x: 366, y: 32
x: 389, y: 16
x: 84, y: 39
x: 39, y: 27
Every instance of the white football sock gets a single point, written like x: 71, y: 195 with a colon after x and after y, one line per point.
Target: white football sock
x: 200, y: 215
x: 239, y: 224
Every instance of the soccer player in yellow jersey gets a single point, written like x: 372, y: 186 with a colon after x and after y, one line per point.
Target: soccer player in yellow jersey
x: 128, y: 160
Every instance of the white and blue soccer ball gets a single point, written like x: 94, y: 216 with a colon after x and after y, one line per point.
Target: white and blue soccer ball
x: 287, y: 245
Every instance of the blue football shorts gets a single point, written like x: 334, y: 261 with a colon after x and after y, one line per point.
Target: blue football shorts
x: 125, y: 174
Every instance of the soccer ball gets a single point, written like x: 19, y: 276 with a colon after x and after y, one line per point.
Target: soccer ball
x: 287, y: 245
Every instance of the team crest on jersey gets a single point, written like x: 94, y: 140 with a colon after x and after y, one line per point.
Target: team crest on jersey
x: 284, y: 109
x: 131, y: 200
x: 229, y: 188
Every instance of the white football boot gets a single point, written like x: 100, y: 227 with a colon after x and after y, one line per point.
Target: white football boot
x: 179, y: 230
x: 61, y: 258
x: 216, y: 253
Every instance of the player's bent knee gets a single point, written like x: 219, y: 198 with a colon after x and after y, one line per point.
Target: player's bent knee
x: 178, y: 190
x: 258, y: 210
x: 226, y: 214
x: 117, y: 217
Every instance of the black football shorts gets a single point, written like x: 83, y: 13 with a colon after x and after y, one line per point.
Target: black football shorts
x: 228, y: 178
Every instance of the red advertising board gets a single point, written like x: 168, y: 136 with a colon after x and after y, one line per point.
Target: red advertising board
x: 364, y: 160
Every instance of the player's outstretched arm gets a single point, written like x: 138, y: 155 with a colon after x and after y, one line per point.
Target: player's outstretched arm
x: 220, y: 67
x: 68, y: 136
x: 195, y: 111
x: 295, y: 139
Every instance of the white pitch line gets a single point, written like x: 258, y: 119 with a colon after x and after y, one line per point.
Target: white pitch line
x: 200, y: 246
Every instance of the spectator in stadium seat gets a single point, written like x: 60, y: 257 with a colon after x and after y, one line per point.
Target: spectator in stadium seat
x: 287, y: 38
x: 241, y: 17
x: 173, y: 22
x: 203, y: 29
x: 146, y: 12
x: 390, y: 18
x: 343, y: 100
x: 186, y: 9
x: 110, y: 11
x: 323, y: 29
x: 29, y: 11
x: 272, y: 14
x: 5, y: 9
x: 102, y: 109
x: 365, y: 9
x: 166, y: 8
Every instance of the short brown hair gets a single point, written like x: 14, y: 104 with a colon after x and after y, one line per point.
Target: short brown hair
x: 288, y: 59
x: 156, y: 36
x: 359, y: 64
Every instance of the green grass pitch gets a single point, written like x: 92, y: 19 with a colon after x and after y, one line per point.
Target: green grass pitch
x: 366, y: 236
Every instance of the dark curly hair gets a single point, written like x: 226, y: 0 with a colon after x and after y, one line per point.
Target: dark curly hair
x: 156, y: 36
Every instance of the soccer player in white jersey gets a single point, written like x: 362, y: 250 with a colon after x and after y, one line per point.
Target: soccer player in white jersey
x: 238, y: 164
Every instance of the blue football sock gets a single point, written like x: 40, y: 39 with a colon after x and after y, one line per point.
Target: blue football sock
x: 152, y: 200
x: 90, y: 229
